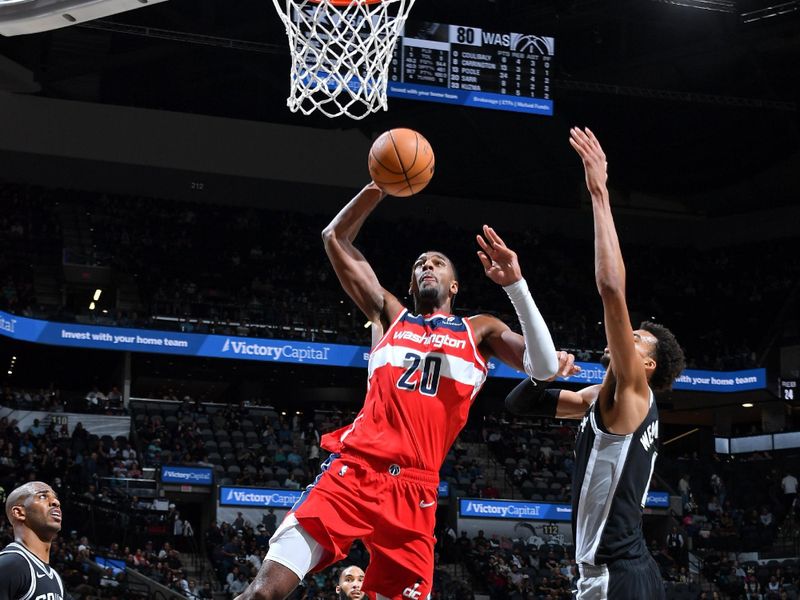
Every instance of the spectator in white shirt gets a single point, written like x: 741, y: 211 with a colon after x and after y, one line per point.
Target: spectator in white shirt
x: 192, y: 592
x: 254, y: 559
x: 177, y: 526
x: 789, y: 486
x: 232, y: 576
x: 164, y: 552
x: 238, y: 585
x: 685, y: 489
x: 37, y: 428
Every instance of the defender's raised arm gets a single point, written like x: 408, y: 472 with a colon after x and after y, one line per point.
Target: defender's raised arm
x: 630, y: 354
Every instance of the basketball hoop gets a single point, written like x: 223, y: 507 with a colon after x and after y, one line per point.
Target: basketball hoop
x: 341, y: 51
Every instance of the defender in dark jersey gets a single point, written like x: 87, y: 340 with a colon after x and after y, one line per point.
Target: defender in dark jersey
x: 25, y: 573
x: 617, y: 441
x: 425, y: 369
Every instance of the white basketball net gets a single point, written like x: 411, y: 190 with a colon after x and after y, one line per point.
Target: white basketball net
x: 341, y: 54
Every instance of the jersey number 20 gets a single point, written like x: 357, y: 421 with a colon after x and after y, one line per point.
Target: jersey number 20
x: 428, y: 381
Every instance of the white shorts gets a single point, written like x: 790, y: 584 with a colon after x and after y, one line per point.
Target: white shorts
x: 292, y: 547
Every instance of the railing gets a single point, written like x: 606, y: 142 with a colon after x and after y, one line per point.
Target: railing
x: 199, y: 562
x: 787, y: 540
x: 109, y: 524
x: 154, y: 589
x: 461, y: 577
x: 145, y: 488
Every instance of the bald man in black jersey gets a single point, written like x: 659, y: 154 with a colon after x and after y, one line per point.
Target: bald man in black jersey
x: 34, y: 512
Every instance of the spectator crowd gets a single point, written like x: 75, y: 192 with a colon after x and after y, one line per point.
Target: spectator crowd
x: 259, y: 272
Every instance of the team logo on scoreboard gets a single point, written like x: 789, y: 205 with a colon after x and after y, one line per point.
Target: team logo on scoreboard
x: 532, y: 44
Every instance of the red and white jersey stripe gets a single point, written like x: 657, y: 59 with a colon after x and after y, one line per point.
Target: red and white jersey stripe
x: 423, y: 376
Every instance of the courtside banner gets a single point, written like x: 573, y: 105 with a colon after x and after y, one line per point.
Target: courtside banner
x: 187, y: 475
x: 188, y: 344
x: 689, y: 380
x: 657, y: 500
x: 258, y: 497
x: 268, y: 350
x: 508, y: 509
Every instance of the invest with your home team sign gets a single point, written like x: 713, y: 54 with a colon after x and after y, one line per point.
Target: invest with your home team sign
x: 272, y: 350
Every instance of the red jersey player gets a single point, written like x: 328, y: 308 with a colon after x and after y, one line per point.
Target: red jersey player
x: 425, y: 369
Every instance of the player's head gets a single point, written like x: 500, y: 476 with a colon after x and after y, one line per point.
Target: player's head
x: 434, y: 281
x: 350, y: 581
x: 35, y: 506
x: 660, y: 352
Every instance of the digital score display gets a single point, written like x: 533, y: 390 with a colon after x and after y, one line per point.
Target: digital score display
x: 470, y: 66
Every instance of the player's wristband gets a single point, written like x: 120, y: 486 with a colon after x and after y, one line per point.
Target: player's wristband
x: 533, y: 398
x: 540, y: 358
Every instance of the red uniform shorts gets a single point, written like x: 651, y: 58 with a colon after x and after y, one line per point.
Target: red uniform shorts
x: 390, y: 508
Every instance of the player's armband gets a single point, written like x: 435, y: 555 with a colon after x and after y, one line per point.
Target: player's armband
x: 533, y: 398
x: 539, y: 358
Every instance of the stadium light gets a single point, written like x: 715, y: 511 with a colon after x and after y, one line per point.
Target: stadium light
x: 19, y: 17
x: 97, y: 294
x: 747, y: 405
x: 92, y: 306
x: 770, y: 10
x: 723, y: 6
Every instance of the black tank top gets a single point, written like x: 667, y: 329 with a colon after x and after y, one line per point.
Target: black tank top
x: 609, y: 488
x: 23, y: 576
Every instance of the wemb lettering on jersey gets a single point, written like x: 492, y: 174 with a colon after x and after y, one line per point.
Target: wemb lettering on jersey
x: 437, y: 340
x: 650, y: 435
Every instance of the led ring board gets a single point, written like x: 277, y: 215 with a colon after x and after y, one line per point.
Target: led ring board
x: 471, y: 66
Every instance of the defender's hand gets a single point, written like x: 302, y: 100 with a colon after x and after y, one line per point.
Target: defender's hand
x: 566, y: 365
x: 499, y: 261
x: 593, y: 157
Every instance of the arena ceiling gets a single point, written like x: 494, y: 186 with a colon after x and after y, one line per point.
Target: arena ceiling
x: 698, y: 105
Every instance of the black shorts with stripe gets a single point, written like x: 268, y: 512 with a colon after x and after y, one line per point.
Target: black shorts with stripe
x: 634, y: 579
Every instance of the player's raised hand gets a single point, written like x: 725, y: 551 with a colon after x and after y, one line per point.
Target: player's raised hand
x: 593, y: 157
x: 566, y: 365
x: 499, y: 261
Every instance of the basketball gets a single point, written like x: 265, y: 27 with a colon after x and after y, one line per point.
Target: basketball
x: 401, y: 162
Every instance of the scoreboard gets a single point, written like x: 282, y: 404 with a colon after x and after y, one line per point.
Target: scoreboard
x: 471, y: 66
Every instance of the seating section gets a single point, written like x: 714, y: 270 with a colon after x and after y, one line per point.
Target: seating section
x: 537, y: 460
x: 258, y: 272
x: 244, y: 445
x: 731, y: 505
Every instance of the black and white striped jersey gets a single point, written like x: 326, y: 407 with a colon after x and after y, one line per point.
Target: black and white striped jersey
x: 609, y: 488
x: 23, y: 576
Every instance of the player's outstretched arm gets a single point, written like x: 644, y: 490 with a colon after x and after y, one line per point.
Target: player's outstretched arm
x: 533, y: 352
x: 632, y: 395
x: 535, y: 399
x: 354, y: 272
